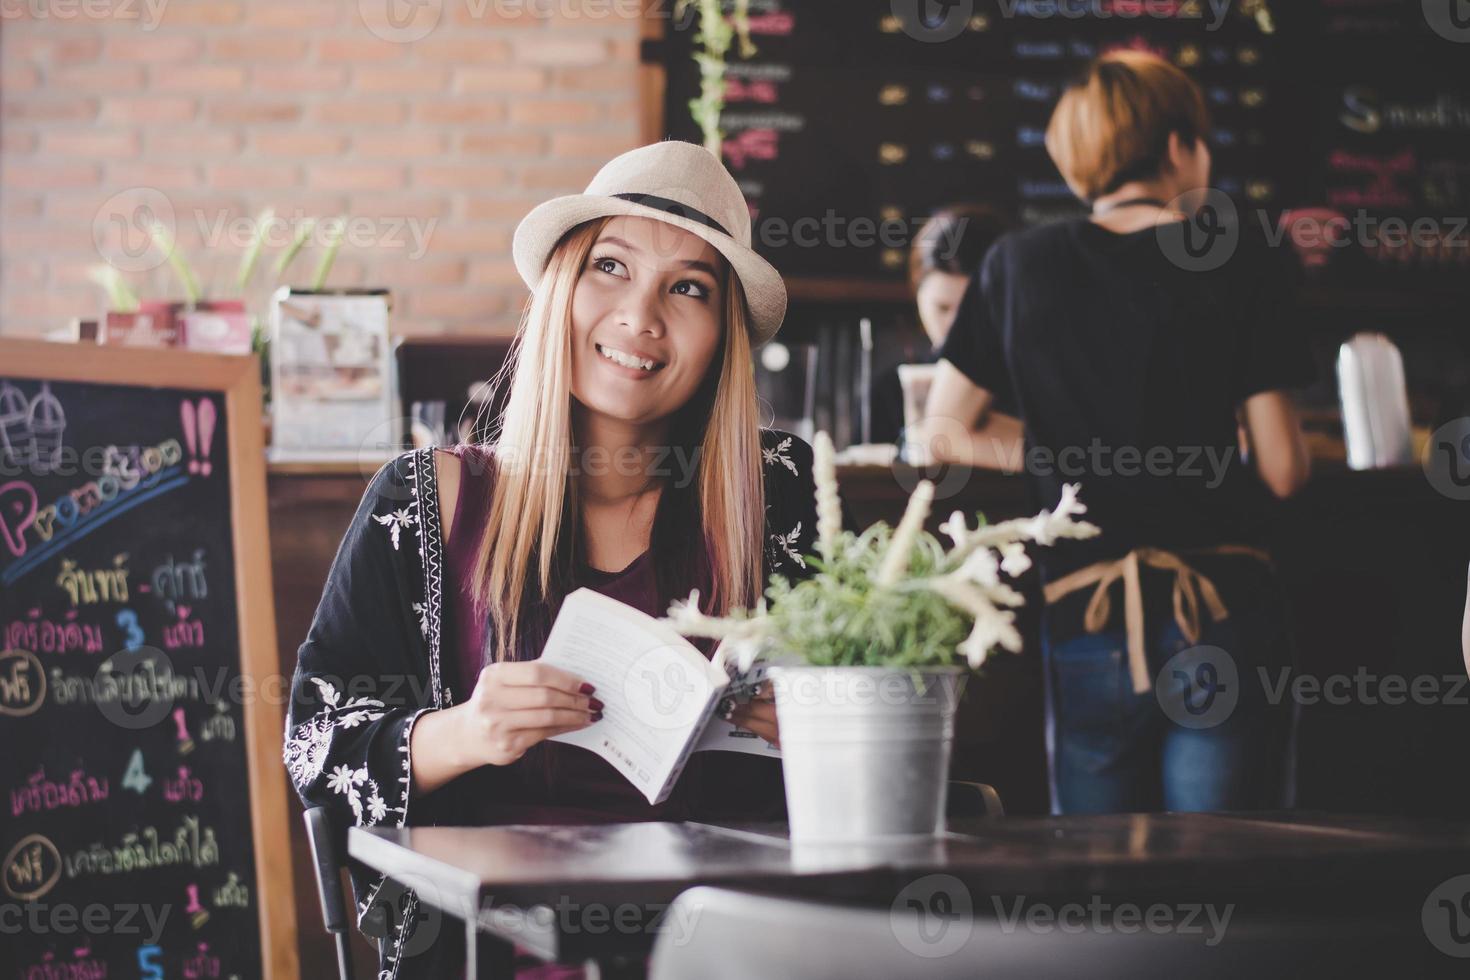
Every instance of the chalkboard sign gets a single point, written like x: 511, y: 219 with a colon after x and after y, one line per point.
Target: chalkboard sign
x: 144, y: 831
x: 854, y: 119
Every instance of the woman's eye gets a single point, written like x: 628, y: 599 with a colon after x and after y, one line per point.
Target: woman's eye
x: 603, y: 265
x: 688, y: 287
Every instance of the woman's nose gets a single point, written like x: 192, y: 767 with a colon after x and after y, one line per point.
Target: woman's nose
x: 642, y: 312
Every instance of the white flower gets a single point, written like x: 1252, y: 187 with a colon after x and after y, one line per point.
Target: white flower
x: 328, y: 693
x: 778, y: 455
x: 1014, y: 560
x: 686, y: 619
x: 896, y: 559
x: 956, y: 528
x: 396, y: 522
x: 788, y: 541
x: 829, y: 504
x: 341, y: 780
x: 377, y: 808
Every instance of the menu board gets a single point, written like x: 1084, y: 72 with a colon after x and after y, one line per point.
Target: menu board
x: 136, y: 707
x: 1387, y: 136
x: 855, y: 119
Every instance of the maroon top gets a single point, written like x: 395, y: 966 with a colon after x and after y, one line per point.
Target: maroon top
x: 554, y: 783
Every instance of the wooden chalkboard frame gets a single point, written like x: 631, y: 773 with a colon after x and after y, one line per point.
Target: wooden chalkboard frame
x: 236, y: 379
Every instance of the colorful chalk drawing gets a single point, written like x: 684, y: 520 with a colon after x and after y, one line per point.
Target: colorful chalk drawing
x: 201, y: 415
x: 30, y: 429
x: 22, y: 683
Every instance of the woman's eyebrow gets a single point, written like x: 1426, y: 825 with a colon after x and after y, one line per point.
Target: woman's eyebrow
x: 697, y: 264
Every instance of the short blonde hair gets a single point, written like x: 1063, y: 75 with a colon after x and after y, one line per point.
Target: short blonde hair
x: 1113, y: 125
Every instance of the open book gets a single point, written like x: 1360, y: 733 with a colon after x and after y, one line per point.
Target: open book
x: 659, y: 693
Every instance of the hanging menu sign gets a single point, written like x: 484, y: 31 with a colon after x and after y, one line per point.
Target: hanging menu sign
x: 145, y: 804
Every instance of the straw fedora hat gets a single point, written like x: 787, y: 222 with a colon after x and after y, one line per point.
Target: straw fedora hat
x: 680, y: 183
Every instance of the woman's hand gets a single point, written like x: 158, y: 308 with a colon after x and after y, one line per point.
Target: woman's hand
x: 515, y: 705
x: 758, y: 715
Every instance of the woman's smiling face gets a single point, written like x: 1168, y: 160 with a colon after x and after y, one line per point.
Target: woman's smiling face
x: 646, y: 319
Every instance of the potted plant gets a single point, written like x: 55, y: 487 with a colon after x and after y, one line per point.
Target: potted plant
x: 869, y: 655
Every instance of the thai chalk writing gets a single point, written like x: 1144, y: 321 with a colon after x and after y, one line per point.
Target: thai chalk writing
x: 202, y: 964
x: 232, y: 894
x: 32, y: 867
x: 186, y: 788
x: 145, y: 683
x: 22, y: 683
x: 82, y: 966
x: 220, y: 727
x: 190, y: 845
x: 40, y: 794
x: 98, y: 585
x: 184, y: 581
x: 65, y: 635
x: 186, y: 633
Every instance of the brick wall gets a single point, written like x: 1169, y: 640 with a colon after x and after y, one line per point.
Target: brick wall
x: 436, y: 135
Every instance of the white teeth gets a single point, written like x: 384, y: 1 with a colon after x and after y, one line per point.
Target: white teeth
x: 626, y: 360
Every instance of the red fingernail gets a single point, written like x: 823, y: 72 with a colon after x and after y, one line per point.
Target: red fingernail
x: 586, y: 688
x: 595, y: 705
x: 597, y: 716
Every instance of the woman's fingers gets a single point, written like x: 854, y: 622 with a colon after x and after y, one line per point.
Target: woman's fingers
x: 516, y: 698
x: 758, y: 716
x: 526, y: 719
x: 534, y: 673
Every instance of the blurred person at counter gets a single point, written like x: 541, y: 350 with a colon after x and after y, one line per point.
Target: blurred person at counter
x: 944, y: 257
x: 1133, y: 346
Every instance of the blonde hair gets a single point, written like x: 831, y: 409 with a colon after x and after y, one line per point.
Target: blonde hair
x: 1113, y: 126
x: 535, y: 502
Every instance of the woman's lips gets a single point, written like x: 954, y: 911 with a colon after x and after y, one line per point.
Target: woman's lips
x: 637, y: 374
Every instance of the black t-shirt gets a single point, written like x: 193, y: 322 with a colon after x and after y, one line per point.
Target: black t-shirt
x: 1126, y: 369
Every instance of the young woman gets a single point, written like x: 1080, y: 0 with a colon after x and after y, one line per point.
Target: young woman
x: 1130, y: 353
x: 945, y: 255
x: 630, y: 460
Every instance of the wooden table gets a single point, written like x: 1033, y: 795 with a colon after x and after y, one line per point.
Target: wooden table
x: 533, y: 885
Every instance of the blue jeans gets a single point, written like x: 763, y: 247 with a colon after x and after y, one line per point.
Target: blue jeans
x: 1187, y: 744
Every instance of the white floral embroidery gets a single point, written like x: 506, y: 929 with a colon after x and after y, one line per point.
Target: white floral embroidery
x: 396, y: 522
x: 306, y: 750
x: 422, y: 609
x: 346, y: 782
x: 787, y: 541
x: 778, y: 455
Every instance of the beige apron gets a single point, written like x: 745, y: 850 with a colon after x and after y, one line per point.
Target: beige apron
x: 1190, y: 589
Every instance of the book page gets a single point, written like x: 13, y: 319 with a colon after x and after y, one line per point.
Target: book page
x: 657, y: 690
